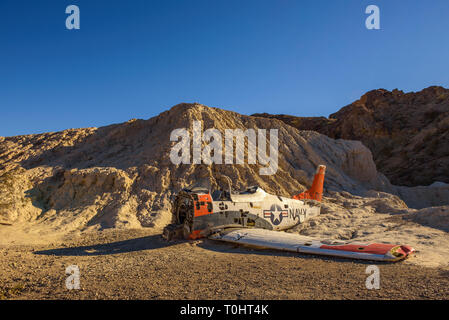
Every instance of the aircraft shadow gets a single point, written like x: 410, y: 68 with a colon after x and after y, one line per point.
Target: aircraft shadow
x: 157, y: 242
x: 139, y: 244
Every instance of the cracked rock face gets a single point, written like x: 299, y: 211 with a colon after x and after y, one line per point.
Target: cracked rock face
x: 408, y: 133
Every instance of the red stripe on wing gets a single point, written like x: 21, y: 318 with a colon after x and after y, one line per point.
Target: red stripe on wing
x: 375, y: 248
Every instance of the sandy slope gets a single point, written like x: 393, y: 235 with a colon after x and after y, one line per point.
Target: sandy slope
x: 384, y: 218
x: 380, y: 217
x: 138, y: 264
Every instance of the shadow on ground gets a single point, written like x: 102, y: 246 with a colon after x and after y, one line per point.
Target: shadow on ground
x: 139, y: 244
x: 157, y: 242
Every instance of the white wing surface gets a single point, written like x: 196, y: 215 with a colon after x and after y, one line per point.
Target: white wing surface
x: 268, y: 239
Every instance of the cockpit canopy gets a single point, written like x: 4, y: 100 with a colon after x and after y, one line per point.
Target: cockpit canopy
x: 251, y: 194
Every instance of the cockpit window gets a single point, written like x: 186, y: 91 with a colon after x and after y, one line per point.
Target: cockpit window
x: 250, y: 190
x: 200, y: 186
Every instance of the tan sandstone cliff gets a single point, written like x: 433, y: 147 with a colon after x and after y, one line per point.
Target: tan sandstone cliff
x: 408, y: 133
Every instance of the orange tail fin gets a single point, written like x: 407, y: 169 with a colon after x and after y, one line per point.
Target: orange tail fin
x: 316, y: 190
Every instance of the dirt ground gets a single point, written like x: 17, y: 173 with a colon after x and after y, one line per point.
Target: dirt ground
x: 139, y: 264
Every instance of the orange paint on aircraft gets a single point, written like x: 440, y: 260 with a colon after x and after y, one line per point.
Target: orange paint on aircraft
x: 195, y: 235
x: 316, y: 190
x: 203, y: 205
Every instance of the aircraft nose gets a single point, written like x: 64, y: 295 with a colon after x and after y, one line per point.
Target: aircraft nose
x: 407, y: 250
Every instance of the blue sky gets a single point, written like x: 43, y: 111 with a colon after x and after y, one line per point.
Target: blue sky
x: 137, y: 58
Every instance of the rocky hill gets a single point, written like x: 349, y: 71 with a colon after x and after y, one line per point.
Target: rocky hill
x: 121, y: 175
x: 408, y: 133
x: 57, y: 185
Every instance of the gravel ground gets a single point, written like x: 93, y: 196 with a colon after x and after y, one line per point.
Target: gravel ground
x: 139, y: 264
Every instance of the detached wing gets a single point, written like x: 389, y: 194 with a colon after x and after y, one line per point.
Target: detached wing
x: 277, y: 240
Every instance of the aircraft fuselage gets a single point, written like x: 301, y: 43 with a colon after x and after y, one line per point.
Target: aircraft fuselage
x: 200, y: 215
